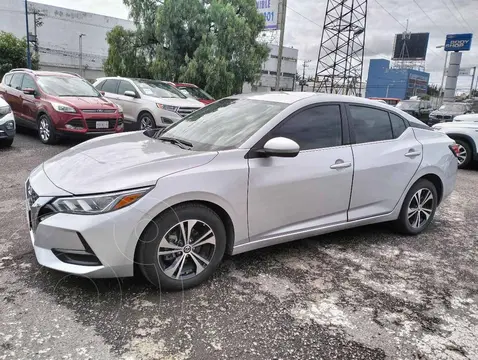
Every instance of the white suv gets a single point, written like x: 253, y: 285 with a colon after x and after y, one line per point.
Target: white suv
x: 147, y: 103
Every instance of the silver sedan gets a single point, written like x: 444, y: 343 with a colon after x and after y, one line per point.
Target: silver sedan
x: 243, y: 173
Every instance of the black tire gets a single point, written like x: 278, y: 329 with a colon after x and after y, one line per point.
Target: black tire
x: 468, y: 156
x: 403, y: 223
x: 52, y: 137
x: 150, y: 263
x: 145, y: 115
x: 6, y: 143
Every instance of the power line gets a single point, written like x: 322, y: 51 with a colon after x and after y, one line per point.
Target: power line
x: 452, y: 13
x: 429, y: 18
x: 459, y: 13
x: 305, y: 17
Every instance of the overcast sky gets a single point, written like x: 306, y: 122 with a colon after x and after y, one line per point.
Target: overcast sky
x: 305, y: 19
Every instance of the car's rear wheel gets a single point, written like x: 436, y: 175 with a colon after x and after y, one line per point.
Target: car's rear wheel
x: 464, y: 153
x: 418, y: 208
x: 182, y: 247
x: 46, y: 131
x: 146, y: 121
x: 6, y: 143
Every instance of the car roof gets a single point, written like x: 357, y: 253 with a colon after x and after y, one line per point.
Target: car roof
x: 43, y: 73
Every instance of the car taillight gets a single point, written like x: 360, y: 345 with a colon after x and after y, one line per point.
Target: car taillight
x: 455, y: 149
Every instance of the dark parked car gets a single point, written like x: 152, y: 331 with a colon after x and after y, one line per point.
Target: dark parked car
x: 57, y: 103
x: 420, y: 109
x: 448, y: 111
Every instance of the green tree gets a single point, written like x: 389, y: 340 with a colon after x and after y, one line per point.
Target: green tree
x: 13, y: 53
x: 126, y: 55
x: 211, y: 43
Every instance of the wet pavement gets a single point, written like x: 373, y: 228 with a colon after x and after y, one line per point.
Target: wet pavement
x: 366, y: 293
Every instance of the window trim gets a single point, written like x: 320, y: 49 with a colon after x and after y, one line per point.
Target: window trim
x: 132, y: 85
x: 353, y: 140
x: 5, y: 78
x: 21, y: 81
x: 35, y: 87
x: 99, y: 87
x: 407, y: 125
x: 253, y: 153
x: 117, y: 86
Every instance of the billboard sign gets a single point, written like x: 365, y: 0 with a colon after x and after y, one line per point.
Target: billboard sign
x: 410, y: 46
x: 270, y: 10
x: 463, y: 71
x: 458, y: 42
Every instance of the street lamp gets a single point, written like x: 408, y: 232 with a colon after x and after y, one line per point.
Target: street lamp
x: 443, y: 75
x: 80, y: 65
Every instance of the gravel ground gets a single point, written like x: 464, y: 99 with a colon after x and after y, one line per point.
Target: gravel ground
x: 360, y: 294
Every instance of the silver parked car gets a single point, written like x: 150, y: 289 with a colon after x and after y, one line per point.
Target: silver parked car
x: 243, y: 173
x: 7, y: 124
x: 147, y: 103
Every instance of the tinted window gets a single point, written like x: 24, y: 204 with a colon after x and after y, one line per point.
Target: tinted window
x: 398, y: 125
x: 28, y: 83
x: 7, y: 78
x: 110, y: 86
x: 314, y: 128
x: 125, y: 86
x: 16, y: 81
x: 224, y: 124
x: 100, y: 85
x: 370, y: 124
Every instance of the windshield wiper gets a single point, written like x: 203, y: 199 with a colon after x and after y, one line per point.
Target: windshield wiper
x: 180, y: 143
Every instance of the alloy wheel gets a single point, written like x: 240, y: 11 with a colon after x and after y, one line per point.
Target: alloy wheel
x: 44, y: 129
x: 186, y: 249
x: 146, y: 122
x: 462, y: 154
x: 420, y: 208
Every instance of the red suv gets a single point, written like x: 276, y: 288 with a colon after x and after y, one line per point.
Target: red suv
x: 57, y: 103
x: 195, y: 92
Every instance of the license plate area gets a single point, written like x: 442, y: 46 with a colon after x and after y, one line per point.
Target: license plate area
x: 102, y: 124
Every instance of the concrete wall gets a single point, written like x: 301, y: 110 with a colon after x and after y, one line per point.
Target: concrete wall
x: 58, y: 36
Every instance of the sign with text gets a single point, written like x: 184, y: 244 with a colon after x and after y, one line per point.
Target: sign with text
x: 270, y: 10
x: 458, y: 42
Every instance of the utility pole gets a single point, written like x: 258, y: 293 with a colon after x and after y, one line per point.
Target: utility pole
x: 80, y: 57
x: 282, y: 13
x: 472, y: 81
x: 37, y: 22
x: 304, y: 65
x: 29, y: 58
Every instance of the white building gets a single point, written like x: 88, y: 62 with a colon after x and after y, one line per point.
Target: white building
x: 58, y: 35
x: 267, y: 81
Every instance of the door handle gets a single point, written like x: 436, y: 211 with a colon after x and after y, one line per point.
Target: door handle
x: 341, y: 165
x: 412, y: 153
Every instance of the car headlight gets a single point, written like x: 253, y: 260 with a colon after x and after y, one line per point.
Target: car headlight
x: 167, y: 107
x: 62, y: 107
x: 98, y: 204
x: 4, y: 110
x: 120, y: 108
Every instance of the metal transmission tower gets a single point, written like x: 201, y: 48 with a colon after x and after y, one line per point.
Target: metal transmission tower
x: 340, y: 62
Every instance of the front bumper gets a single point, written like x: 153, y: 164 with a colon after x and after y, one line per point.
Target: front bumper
x: 96, y: 246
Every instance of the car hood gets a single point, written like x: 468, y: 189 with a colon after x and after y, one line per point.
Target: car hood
x: 473, y: 118
x: 447, y: 113
x: 89, y: 103
x: 456, y: 125
x: 177, y: 102
x: 119, y: 162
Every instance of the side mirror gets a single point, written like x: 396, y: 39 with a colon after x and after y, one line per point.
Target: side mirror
x: 102, y: 93
x: 281, y: 147
x: 130, y: 93
x: 29, y: 91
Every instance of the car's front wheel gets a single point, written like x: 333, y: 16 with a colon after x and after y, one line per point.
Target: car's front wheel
x: 464, y: 153
x: 146, y: 121
x: 418, y: 208
x: 182, y: 247
x: 46, y: 131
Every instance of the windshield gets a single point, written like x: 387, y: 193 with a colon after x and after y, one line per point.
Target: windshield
x: 158, y: 89
x: 408, y: 105
x: 453, y: 107
x: 224, y: 124
x: 197, y: 93
x: 66, y: 86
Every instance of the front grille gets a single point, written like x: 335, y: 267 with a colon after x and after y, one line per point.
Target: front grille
x: 99, y: 111
x: 184, y: 111
x: 91, y: 123
x: 76, y: 123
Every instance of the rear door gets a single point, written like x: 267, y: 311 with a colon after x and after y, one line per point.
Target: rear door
x: 110, y: 88
x: 386, y: 156
x: 14, y: 96
x: 128, y: 103
x: 29, y: 102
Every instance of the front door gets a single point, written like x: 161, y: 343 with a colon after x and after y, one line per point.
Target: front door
x: 386, y: 156
x: 128, y: 103
x: 29, y: 102
x: 289, y: 195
